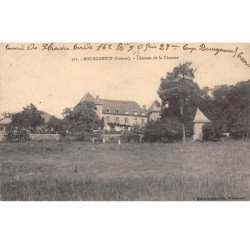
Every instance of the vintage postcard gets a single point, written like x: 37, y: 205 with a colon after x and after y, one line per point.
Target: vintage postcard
x: 124, y: 121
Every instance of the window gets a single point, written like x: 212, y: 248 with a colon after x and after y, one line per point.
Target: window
x: 107, y: 119
x: 117, y: 111
x: 135, y: 121
x: 142, y: 121
x: 117, y: 119
x: 126, y: 111
x: 143, y: 113
x: 135, y: 112
x: 108, y: 110
x: 126, y: 120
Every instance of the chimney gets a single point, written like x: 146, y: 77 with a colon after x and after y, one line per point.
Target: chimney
x: 98, y: 105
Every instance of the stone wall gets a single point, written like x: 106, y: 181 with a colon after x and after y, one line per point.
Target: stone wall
x: 197, y: 131
x: 45, y: 137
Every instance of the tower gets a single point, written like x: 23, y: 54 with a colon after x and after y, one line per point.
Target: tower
x: 199, y: 120
x: 154, y: 111
x: 99, y: 106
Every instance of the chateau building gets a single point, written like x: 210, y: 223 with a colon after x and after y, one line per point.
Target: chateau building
x: 122, y: 115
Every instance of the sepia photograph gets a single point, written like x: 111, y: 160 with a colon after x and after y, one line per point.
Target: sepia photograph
x: 124, y: 121
x: 124, y: 125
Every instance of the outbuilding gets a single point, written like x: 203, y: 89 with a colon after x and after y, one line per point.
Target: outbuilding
x: 199, y: 120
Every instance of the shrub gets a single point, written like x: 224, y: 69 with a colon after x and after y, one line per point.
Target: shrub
x: 56, y: 125
x: 189, y: 129
x: 164, y: 130
x: 96, y: 136
x: 134, y: 135
x: 210, y: 132
x: 237, y: 132
x: 80, y: 137
x: 16, y: 135
x: 241, y: 128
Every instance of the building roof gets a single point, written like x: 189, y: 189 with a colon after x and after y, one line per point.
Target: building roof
x: 87, y: 97
x: 155, y: 107
x: 111, y: 106
x: 5, y: 121
x: 121, y: 106
x: 45, y: 115
x: 200, y: 117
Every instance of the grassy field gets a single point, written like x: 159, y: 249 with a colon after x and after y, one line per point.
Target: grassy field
x: 89, y: 171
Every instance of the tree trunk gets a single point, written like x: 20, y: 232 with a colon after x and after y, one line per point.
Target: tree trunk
x: 183, y: 133
x: 183, y: 125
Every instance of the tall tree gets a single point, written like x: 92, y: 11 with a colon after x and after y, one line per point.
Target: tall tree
x: 29, y: 118
x: 228, y: 107
x: 82, y: 118
x: 231, y: 104
x: 179, y: 90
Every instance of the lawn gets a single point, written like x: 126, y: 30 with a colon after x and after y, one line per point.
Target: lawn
x: 103, y: 171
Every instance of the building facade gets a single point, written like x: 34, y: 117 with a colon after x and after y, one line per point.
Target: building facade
x: 122, y: 115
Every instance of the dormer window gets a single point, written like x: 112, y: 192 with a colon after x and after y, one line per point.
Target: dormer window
x: 143, y: 113
x: 126, y: 111
x: 108, y: 110
x: 135, y: 112
x: 117, y: 111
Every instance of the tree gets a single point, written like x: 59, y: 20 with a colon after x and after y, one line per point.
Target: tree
x: 238, y: 110
x: 163, y: 130
x: 56, y: 125
x: 29, y: 120
x: 228, y: 107
x: 241, y: 127
x: 82, y: 118
x: 180, y: 92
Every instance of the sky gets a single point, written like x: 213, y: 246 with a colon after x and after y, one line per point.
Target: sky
x: 52, y: 81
